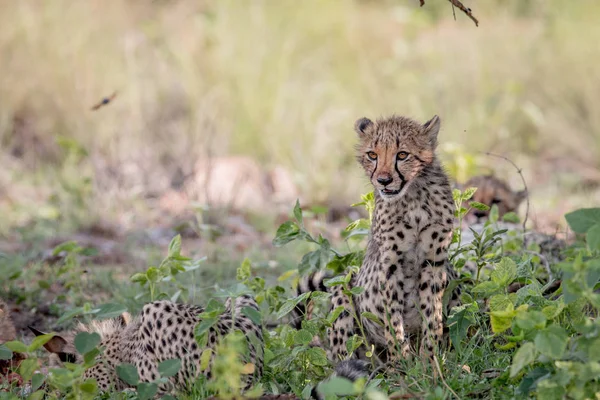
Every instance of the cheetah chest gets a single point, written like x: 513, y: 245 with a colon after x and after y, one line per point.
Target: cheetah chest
x: 391, y: 272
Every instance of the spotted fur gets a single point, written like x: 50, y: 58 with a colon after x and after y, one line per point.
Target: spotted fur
x: 492, y: 191
x: 163, y: 331
x: 405, y: 269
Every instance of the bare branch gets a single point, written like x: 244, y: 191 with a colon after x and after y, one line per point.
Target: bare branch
x: 461, y: 7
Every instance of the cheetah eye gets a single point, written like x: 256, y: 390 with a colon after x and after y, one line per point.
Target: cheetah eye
x: 496, y: 200
x: 402, y: 155
x: 372, y: 155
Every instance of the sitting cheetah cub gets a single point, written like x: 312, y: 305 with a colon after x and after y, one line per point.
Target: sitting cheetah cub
x: 163, y: 331
x: 405, y: 268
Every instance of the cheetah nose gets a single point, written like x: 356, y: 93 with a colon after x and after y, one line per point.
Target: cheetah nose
x: 384, y: 180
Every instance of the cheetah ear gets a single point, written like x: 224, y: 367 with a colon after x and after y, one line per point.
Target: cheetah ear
x: 124, y: 319
x: 55, y: 345
x: 520, y: 196
x: 431, y: 128
x: 361, y: 126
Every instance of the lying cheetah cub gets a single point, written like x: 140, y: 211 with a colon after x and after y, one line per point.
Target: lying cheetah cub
x: 492, y: 191
x: 163, y: 331
x: 405, y: 268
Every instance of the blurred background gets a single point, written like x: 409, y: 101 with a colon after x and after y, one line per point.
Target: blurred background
x: 244, y: 107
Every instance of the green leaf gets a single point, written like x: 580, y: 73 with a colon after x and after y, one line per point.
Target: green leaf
x: 110, y: 310
x: 505, y: 272
x: 335, y: 314
x: 553, y: 310
x: 39, y: 395
x: 511, y: 217
x: 289, y: 304
x: 372, y: 317
x: 311, y: 261
x: 287, y: 232
x: 175, y: 246
x: 552, y: 341
x: 298, y: 213
x: 317, y: 356
x: 336, y: 280
x: 354, y: 343
x: 502, y: 302
x: 479, y: 206
x: 459, y: 321
x: 501, y: 320
x: 5, y: 353
x: 169, y: 368
x: 153, y: 274
x: 530, y: 319
x: 146, y: 390
x: 89, y: 358
x: 85, y: 342
x: 140, y: 278
x: 70, y: 314
x: 317, y: 295
x: 205, y: 325
x: 129, y: 373
x: 253, y: 314
x: 16, y: 346
x: 468, y: 193
x: 523, y: 357
x: 493, y: 216
x: 39, y: 341
x: 593, y: 237
x: 486, y: 288
x: 583, y: 219
x: 303, y: 337
x: 27, y: 368
x: 89, y: 386
x: 357, y: 290
x: 244, y: 271
x: 67, y: 247
x: 336, y: 386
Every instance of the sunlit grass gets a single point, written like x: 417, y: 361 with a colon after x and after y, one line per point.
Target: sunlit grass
x: 283, y: 82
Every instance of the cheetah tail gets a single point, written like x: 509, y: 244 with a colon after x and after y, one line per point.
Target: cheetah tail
x: 309, y: 283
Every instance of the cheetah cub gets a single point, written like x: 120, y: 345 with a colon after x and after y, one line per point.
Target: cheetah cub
x: 405, y: 269
x: 163, y: 331
x: 492, y: 190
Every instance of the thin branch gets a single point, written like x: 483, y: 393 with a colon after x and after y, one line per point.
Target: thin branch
x: 520, y: 171
x: 461, y: 7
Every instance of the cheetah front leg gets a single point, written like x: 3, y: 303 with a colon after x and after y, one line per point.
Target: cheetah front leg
x: 394, y: 322
x: 431, y: 290
x: 342, y: 328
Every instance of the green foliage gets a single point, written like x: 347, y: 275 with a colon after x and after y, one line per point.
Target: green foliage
x: 545, y: 342
x: 172, y: 265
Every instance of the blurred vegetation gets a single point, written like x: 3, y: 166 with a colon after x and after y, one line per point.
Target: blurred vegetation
x: 282, y: 82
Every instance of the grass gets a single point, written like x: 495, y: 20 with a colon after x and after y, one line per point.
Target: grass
x: 283, y: 83
x: 489, y: 331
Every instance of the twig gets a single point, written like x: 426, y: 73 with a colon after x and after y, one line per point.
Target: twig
x: 461, y: 7
x: 520, y: 171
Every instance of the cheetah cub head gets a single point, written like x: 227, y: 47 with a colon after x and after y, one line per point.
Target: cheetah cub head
x: 490, y: 191
x: 62, y: 348
x: 393, y: 151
